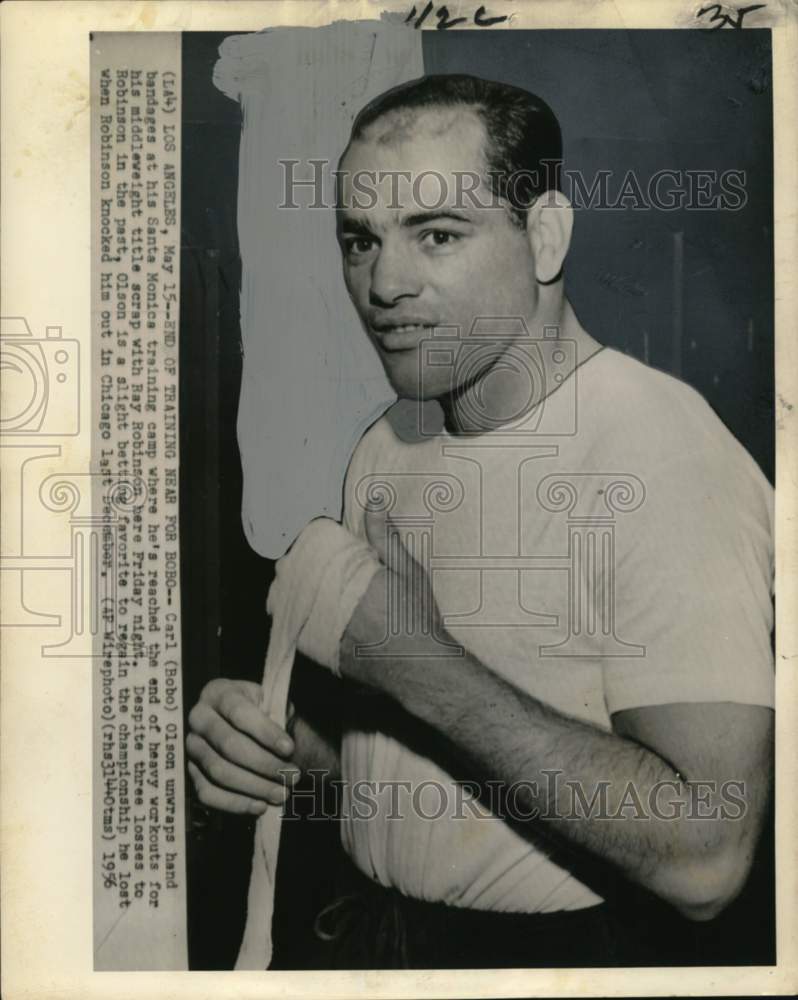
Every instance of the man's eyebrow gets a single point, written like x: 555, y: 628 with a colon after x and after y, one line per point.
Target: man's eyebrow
x: 358, y: 227
x: 350, y: 225
x: 425, y: 218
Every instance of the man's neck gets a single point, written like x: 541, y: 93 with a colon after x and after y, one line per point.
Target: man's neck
x: 523, y: 374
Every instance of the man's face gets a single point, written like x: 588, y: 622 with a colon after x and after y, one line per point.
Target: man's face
x: 418, y: 253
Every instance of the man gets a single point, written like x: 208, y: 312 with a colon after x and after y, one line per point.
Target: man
x: 610, y: 711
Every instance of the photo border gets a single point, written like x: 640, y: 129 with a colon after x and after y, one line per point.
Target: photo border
x: 47, y: 705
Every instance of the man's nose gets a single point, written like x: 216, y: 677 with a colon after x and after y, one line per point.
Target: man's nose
x: 393, y: 276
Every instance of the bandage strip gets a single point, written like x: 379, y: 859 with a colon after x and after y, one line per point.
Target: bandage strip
x: 316, y: 589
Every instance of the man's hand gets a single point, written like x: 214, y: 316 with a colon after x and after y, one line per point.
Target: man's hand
x: 239, y: 759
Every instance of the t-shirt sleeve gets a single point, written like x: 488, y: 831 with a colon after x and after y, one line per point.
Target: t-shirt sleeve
x: 693, y: 586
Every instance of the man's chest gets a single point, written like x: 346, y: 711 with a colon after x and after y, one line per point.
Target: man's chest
x: 490, y: 529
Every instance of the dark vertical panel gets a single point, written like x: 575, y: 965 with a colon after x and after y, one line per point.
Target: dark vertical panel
x: 223, y: 581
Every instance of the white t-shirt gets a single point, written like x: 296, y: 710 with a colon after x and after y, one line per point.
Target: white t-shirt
x: 612, y: 549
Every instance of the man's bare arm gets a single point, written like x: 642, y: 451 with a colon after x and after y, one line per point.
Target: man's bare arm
x: 316, y: 747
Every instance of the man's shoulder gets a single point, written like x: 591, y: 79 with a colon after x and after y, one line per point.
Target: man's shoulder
x: 654, y: 425
x: 376, y: 437
x: 378, y: 453
x: 637, y: 389
x: 379, y: 447
x: 405, y: 422
x: 647, y: 410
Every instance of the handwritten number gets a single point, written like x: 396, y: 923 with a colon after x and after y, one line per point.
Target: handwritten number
x: 422, y: 17
x: 719, y: 18
x: 726, y: 19
x: 424, y: 14
x: 442, y: 13
x: 445, y: 21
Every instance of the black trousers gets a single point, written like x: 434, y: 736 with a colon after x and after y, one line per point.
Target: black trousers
x: 370, y: 927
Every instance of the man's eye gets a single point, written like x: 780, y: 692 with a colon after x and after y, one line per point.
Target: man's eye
x: 439, y: 238
x: 356, y: 246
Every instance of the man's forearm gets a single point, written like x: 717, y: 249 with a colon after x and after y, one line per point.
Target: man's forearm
x: 516, y: 740
x: 315, y: 750
x: 315, y: 718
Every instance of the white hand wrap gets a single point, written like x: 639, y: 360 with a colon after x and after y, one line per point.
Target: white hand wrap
x: 317, y: 587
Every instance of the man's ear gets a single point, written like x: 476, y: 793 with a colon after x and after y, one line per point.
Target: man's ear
x: 549, y: 224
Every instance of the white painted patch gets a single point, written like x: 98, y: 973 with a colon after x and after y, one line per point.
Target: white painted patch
x: 311, y: 381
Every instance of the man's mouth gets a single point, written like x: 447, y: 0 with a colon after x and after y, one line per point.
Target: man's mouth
x: 401, y: 336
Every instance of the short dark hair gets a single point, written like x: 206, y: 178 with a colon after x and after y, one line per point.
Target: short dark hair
x: 524, y: 148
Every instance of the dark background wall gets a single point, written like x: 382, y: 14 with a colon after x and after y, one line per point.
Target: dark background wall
x: 646, y: 101
x: 627, y: 100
